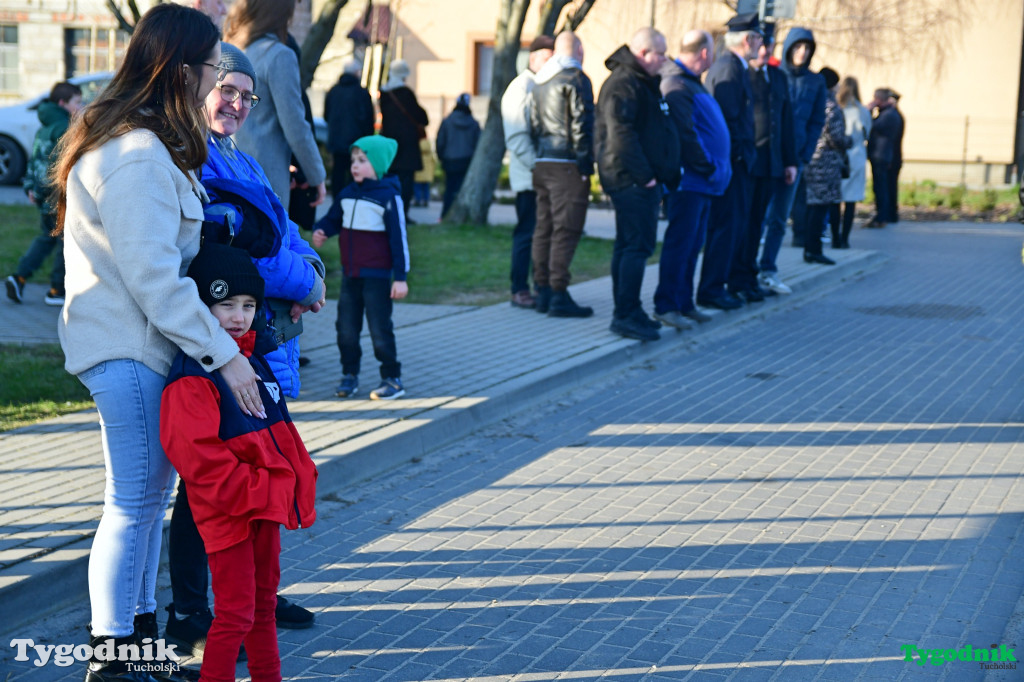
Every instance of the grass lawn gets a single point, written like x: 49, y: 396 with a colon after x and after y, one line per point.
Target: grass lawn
x: 467, y: 264
x: 34, y: 385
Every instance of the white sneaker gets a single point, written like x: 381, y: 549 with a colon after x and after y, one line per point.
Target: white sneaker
x: 769, y: 280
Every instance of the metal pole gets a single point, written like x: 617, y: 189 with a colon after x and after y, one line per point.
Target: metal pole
x: 963, y: 164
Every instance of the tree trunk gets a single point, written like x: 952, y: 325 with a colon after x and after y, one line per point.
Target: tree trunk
x: 477, y: 191
x: 550, y: 10
x: 320, y: 33
x: 573, y: 21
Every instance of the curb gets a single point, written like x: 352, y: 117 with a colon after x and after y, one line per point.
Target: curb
x: 368, y: 455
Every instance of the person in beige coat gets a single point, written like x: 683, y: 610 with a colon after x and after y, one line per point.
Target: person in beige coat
x: 130, y: 208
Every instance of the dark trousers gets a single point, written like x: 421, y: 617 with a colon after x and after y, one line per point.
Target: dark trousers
x: 798, y: 214
x: 882, y: 183
x: 729, y: 215
x: 405, y: 179
x: 186, y: 558
x: 454, y: 175
x: 894, y: 194
x: 245, y: 579
x: 522, y: 239
x: 743, y: 271
x: 40, y: 248
x: 816, y: 215
x: 370, y: 296
x: 636, y: 235
x: 562, y: 197
x: 341, y: 173
x: 688, y: 214
x: 841, y: 225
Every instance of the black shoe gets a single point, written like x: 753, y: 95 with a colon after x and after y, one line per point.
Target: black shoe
x: 640, y: 317
x: 631, y: 329
x: 114, y: 671
x: 543, y: 300
x: 303, y: 361
x: 722, y: 302
x: 292, y: 616
x: 562, y: 305
x: 189, y: 633
x: 753, y: 295
x: 818, y: 258
x: 697, y: 315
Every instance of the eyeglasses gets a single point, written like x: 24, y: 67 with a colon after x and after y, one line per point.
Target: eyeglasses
x: 231, y: 94
x: 221, y: 71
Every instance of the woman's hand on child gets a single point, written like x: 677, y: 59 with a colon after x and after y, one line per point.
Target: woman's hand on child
x: 241, y: 379
x: 319, y: 237
x: 399, y: 290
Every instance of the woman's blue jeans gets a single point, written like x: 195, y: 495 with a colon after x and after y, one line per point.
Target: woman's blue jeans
x: 126, y: 549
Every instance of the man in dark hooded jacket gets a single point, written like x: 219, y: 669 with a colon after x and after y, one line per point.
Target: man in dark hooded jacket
x: 807, y: 99
x: 637, y: 148
x: 456, y: 142
x: 348, y: 110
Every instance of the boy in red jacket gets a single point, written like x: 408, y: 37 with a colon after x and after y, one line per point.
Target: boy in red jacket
x: 245, y: 475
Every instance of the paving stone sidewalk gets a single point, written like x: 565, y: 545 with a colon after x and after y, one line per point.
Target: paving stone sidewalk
x: 463, y: 367
x: 794, y: 498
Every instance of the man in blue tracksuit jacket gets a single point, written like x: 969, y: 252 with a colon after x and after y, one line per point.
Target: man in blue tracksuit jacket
x: 807, y: 99
x: 706, y: 168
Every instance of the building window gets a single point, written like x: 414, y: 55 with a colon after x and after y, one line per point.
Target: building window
x: 88, y: 50
x: 484, y: 66
x: 8, y: 58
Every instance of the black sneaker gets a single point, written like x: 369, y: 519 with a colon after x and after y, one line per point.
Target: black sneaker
x: 54, y: 296
x: 292, y: 616
x: 15, y: 288
x: 631, y: 329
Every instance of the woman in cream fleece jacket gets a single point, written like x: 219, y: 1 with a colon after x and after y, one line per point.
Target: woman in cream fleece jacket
x: 130, y: 207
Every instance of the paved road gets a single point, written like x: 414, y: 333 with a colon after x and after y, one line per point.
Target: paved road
x: 797, y: 499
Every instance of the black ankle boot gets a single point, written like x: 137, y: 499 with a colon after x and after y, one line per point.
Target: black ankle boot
x: 543, y: 300
x: 113, y: 670
x: 562, y: 305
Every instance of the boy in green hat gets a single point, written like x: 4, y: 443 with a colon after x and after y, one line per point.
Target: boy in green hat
x: 369, y: 218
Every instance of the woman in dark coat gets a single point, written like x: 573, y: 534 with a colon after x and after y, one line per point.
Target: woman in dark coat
x: 403, y: 120
x: 823, y: 175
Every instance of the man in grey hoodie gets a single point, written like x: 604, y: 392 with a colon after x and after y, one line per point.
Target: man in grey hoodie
x: 562, y: 129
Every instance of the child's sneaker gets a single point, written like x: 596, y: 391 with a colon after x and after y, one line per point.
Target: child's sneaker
x: 15, y: 288
x: 389, y: 389
x: 54, y: 296
x: 348, y: 387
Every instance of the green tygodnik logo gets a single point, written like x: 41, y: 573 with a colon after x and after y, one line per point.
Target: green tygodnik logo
x: 995, y: 657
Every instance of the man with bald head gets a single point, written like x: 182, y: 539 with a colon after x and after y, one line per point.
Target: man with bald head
x: 704, y: 159
x: 637, y: 150
x: 562, y: 129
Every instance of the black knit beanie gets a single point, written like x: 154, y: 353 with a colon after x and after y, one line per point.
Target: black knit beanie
x: 222, y: 271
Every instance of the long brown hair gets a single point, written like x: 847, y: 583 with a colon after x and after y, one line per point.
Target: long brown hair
x: 848, y: 91
x: 248, y: 20
x: 148, y: 91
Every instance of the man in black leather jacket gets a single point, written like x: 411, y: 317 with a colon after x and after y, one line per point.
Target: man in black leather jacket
x: 561, y: 125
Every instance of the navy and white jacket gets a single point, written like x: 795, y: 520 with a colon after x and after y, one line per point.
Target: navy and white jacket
x: 369, y: 220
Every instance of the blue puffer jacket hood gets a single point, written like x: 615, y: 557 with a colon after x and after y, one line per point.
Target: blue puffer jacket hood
x: 795, y: 35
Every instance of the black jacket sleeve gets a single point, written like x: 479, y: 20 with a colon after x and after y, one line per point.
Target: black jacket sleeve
x: 581, y: 109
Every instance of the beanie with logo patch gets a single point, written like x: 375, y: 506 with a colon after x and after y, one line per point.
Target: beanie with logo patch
x: 222, y: 271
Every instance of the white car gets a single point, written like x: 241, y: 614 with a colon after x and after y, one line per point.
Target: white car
x: 19, y: 123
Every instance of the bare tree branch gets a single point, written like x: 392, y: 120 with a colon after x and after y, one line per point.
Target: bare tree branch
x: 550, y: 10
x: 576, y: 17
x: 121, y: 21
